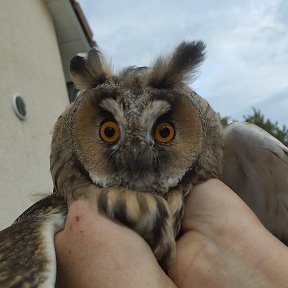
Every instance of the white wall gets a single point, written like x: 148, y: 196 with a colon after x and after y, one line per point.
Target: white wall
x: 31, y: 66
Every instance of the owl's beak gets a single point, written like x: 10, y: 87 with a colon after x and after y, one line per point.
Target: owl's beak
x: 135, y: 162
x: 136, y: 153
x: 138, y: 160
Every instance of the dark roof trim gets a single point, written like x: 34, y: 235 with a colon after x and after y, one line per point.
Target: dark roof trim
x: 83, y: 22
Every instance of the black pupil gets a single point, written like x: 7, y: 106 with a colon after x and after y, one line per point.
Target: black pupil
x: 109, y: 131
x: 164, y: 132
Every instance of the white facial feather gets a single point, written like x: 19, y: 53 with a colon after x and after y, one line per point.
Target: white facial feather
x: 113, y: 107
x: 153, y: 111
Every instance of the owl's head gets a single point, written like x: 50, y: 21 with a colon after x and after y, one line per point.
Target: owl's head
x: 142, y: 128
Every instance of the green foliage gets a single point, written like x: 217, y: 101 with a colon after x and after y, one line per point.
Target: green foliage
x: 224, y: 120
x: 258, y: 118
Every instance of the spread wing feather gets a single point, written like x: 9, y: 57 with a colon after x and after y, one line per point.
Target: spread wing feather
x: 256, y: 168
x: 27, y: 252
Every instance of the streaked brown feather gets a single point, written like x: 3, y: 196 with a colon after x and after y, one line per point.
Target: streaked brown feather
x: 27, y: 253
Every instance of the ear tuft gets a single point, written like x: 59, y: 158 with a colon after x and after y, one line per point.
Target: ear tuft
x: 88, y: 70
x: 178, y: 67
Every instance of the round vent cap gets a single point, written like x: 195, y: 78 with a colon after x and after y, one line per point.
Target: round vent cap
x: 19, y: 107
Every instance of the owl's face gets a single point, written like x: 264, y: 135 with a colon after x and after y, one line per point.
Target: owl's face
x: 137, y: 136
x: 142, y: 129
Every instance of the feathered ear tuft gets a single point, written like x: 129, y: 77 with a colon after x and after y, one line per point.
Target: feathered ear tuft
x: 178, y: 67
x: 88, y: 70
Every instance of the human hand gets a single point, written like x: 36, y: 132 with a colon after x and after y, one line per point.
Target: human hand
x: 94, y: 251
x: 223, y: 245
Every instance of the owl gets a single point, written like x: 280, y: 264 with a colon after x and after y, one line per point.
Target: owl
x: 134, y: 143
x: 137, y: 141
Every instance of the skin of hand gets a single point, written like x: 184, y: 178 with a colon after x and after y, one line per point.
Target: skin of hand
x: 223, y: 244
x: 93, y: 251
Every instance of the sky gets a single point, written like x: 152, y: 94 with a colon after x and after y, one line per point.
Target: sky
x: 247, y: 46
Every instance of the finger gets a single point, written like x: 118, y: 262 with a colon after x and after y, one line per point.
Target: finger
x: 212, y: 205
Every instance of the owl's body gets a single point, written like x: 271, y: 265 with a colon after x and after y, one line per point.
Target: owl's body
x: 161, y: 138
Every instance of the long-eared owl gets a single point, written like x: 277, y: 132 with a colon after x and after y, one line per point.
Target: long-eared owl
x: 137, y: 141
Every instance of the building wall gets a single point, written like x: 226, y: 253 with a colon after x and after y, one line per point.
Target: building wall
x: 30, y: 66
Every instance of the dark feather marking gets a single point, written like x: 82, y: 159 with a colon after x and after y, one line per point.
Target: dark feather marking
x: 164, y: 262
x: 192, y: 171
x: 186, y: 58
x: 95, y: 66
x: 102, y: 92
x: 23, y: 264
x: 102, y: 201
x: 82, y: 169
x: 120, y: 211
x: 47, y: 205
x: 168, y: 96
x: 59, y: 170
x: 161, y: 218
x: 77, y: 65
x: 187, y: 55
x: 177, y: 223
x: 87, y: 72
x: 142, y: 204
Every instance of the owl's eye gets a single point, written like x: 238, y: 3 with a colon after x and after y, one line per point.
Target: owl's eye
x: 164, y: 132
x: 109, y: 131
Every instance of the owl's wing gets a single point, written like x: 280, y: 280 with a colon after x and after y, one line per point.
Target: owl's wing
x: 256, y: 168
x: 27, y: 252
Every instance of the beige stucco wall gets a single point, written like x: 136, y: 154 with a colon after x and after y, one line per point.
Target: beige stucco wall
x: 31, y: 66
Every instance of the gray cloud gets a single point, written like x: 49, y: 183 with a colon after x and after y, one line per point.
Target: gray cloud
x: 247, y: 44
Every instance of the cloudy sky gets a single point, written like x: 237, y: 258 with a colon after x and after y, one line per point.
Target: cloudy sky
x: 247, y: 46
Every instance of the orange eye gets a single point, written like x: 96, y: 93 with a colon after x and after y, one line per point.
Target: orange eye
x: 164, y: 132
x: 109, y: 131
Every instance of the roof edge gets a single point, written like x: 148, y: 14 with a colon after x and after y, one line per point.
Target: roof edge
x: 83, y: 22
